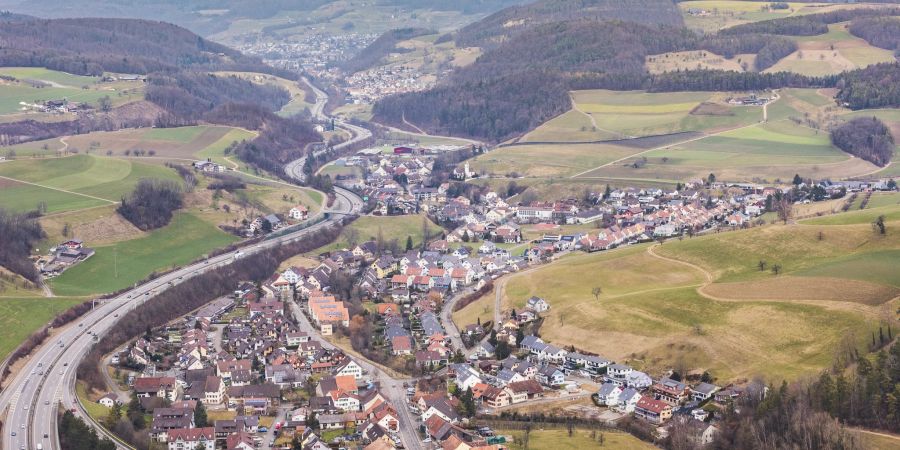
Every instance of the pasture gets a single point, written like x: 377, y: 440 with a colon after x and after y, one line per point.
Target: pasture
x: 15, y: 96
x: 831, y: 53
x: 580, y: 439
x: 770, y: 152
x: 19, y: 317
x: 556, y: 160
x: 20, y: 197
x: 697, y: 59
x: 95, y: 176
x: 658, y: 309
x: 712, y: 15
x: 119, y: 265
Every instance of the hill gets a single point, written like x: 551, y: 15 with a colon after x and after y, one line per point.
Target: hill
x: 95, y: 46
x: 499, y: 26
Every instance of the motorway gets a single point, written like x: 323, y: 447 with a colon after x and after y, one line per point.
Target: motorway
x: 46, y: 381
x: 47, y: 378
x: 294, y: 169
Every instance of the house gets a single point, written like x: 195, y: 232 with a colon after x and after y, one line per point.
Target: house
x: 537, y: 304
x: 192, y: 438
x: 496, y: 397
x: 609, y: 394
x: 638, y: 380
x: 349, y: 368
x: 239, y: 441
x: 109, y: 400
x: 525, y: 390
x: 670, y: 391
x: 298, y: 212
x: 652, y: 410
x: 213, y: 391
x: 551, y: 376
x: 704, y: 391
x: 163, y: 387
x: 628, y: 400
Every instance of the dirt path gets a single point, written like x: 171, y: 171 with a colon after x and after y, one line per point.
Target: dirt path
x: 419, y: 130
x: 60, y: 190
x: 826, y: 304
x: 594, y: 121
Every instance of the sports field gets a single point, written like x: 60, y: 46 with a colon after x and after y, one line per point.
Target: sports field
x: 120, y: 265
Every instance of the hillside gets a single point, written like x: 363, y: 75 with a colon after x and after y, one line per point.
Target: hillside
x: 495, y: 28
x: 94, y: 46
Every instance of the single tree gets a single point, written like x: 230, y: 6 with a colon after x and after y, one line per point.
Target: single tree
x: 776, y: 268
x: 596, y: 291
x: 762, y: 265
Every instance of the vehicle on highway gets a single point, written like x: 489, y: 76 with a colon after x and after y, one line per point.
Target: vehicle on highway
x: 116, y: 315
x: 23, y: 426
x: 65, y: 364
x: 80, y: 324
x: 26, y: 409
x: 13, y: 433
x: 46, y: 402
x: 129, y: 296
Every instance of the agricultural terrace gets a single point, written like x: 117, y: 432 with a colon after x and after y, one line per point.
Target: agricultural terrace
x: 831, y: 53
x: 72, y: 183
x: 704, y: 304
x: 17, y: 96
x: 698, y: 59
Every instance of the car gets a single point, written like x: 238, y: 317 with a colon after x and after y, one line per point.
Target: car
x: 23, y: 426
x: 146, y: 293
x: 65, y: 364
x: 13, y: 433
x: 40, y: 364
x: 46, y: 402
x: 116, y: 315
x: 60, y: 372
x: 26, y: 409
x: 129, y: 296
x: 181, y: 278
x: 46, y: 436
x: 80, y: 324
x: 41, y: 372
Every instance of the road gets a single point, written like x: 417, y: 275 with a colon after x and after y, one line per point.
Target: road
x: 391, y: 388
x: 294, y: 169
x: 48, y: 377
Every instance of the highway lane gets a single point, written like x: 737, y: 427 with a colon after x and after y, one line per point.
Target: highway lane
x: 48, y: 376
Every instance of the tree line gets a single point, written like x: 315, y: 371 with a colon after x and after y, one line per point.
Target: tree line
x: 191, y: 96
x: 74, y: 434
x: 867, y: 138
x: 883, y: 32
x: 18, y: 235
x: 381, y: 47
x: 151, y: 204
x: 808, y: 25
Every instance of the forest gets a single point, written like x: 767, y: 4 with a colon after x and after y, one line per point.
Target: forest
x: 496, y: 28
x: 883, y: 32
x: 151, y: 204
x: 94, y: 46
x: 190, y: 96
x: 876, y: 86
x: 74, y: 434
x: 867, y: 138
x: 18, y: 235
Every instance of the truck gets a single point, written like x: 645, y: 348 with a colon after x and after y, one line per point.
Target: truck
x: 40, y: 447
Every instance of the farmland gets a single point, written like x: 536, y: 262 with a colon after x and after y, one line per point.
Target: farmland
x: 183, y: 240
x: 580, y: 439
x: 831, y: 53
x: 19, y: 317
x: 712, y: 15
x: 699, y: 303
x: 98, y: 178
x: 58, y: 85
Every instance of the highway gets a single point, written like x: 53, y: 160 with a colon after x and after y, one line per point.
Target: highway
x: 48, y: 376
x: 294, y: 169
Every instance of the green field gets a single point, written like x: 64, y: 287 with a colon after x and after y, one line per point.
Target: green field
x: 548, y: 160
x: 120, y: 265
x: 390, y: 227
x: 831, y: 53
x: 103, y: 177
x: 657, y: 310
x: 866, y: 216
x: 571, y: 126
x: 580, y: 440
x: 19, y: 317
x: 74, y: 88
x: 21, y: 197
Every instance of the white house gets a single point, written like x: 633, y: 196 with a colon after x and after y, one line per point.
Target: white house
x: 109, y: 400
x: 349, y: 367
x: 298, y: 212
x: 609, y: 394
x: 537, y: 304
x: 628, y: 400
x: 192, y: 438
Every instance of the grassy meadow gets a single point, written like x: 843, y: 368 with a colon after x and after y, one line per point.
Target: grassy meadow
x: 703, y: 303
x: 831, y: 53
x: 389, y: 227
x: 19, y: 317
x: 14, y: 95
x: 580, y: 439
x: 120, y: 265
